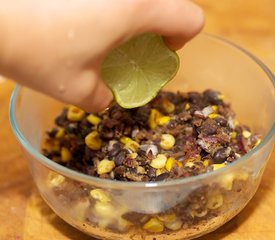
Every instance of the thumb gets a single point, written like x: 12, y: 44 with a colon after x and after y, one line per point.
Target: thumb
x: 177, y: 20
x: 92, y: 94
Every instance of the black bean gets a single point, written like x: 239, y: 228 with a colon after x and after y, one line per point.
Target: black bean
x: 221, y: 155
x: 162, y: 176
x: 212, y: 97
x: 72, y: 128
x: 221, y: 121
x: 120, y: 158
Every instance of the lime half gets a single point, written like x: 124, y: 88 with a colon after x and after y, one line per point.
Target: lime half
x: 138, y: 69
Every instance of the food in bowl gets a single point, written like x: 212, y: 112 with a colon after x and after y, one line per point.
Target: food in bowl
x: 177, y: 135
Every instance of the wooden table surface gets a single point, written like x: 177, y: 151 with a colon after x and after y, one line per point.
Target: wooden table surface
x: 24, y: 215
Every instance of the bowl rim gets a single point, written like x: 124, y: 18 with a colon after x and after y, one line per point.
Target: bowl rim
x: 121, y: 184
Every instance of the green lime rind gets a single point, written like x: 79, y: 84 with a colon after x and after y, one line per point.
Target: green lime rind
x: 137, y: 70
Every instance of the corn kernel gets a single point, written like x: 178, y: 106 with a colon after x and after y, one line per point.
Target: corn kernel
x: 93, y: 140
x: 195, y: 213
x: 168, y: 106
x: 242, y: 175
x: 100, y: 195
x: 226, y: 181
x: 105, y: 166
x: 246, y: 134
x: 51, y: 145
x: 170, y: 163
x: 153, y: 118
x: 189, y: 164
x: 175, y: 225
x: 215, y: 201
x: 93, y: 119
x: 221, y: 97
x: 66, y: 155
x: 132, y: 145
x: 163, y: 120
x: 55, y: 179
x: 214, y: 108
x: 125, y: 140
x: 133, y: 155
x: 167, y: 141
x: 218, y: 166
x: 160, y: 171
x: 123, y: 224
x: 141, y: 170
x: 258, y: 142
x: 206, y: 162
x: 75, y: 114
x: 233, y: 134
x: 213, y: 115
x: 167, y: 217
x: 60, y: 133
x: 187, y: 106
x: 154, y: 225
x: 104, y: 209
x: 159, y: 161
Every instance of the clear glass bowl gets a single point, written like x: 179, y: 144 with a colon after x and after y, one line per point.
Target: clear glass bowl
x: 178, y: 209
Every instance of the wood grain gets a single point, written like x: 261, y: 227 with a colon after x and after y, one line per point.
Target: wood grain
x: 24, y: 215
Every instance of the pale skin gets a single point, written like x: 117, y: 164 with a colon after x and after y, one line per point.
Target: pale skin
x: 57, y: 46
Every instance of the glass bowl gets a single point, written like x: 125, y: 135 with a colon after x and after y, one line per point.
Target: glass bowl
x: 176, y: 209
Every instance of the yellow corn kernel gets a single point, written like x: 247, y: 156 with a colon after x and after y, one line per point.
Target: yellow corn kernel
x: 104, y: 209
x: 226, y: 181
x: 60, y: 133
x: 141, y: 170
x: 154, y: 225
x: 125, y: 140
x: 218, y: 166
x: 55, y: 179
x: 187, y: 106
x: 93, y: 140
x: 123, y: 224
x: 160, y: 171
x: 213, y: 115
x: 168, y: 106
x: 133, y: 155
x: 129, y: 143
x: 75, y: 114
x: 233, y: 134
x: 171, y: 217
x: 153, y: 118
x: 132, y: 145
x: 163, y: 120
x: 246, y: 134
x: 206, y: 162
x: 170, y: 163
x: 195, y: 213
x: 214, y: 108
x: 221, y: 97
x: 66, y: 155
x: 189, y: 164
x: 242, y: 175
x: 215, y: 201
x: 105, y: 166
x: 51, y: 145
x: 100, y: 195
x: 175, y: 225
x: 93, y: 119
x: 159, y: 161
x: 167, y: 141
x: 258, y: 142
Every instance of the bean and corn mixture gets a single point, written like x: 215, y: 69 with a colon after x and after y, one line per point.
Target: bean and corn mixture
x: 177, y: 135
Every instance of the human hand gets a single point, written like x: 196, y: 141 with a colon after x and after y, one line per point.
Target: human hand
x: 57, y: 47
